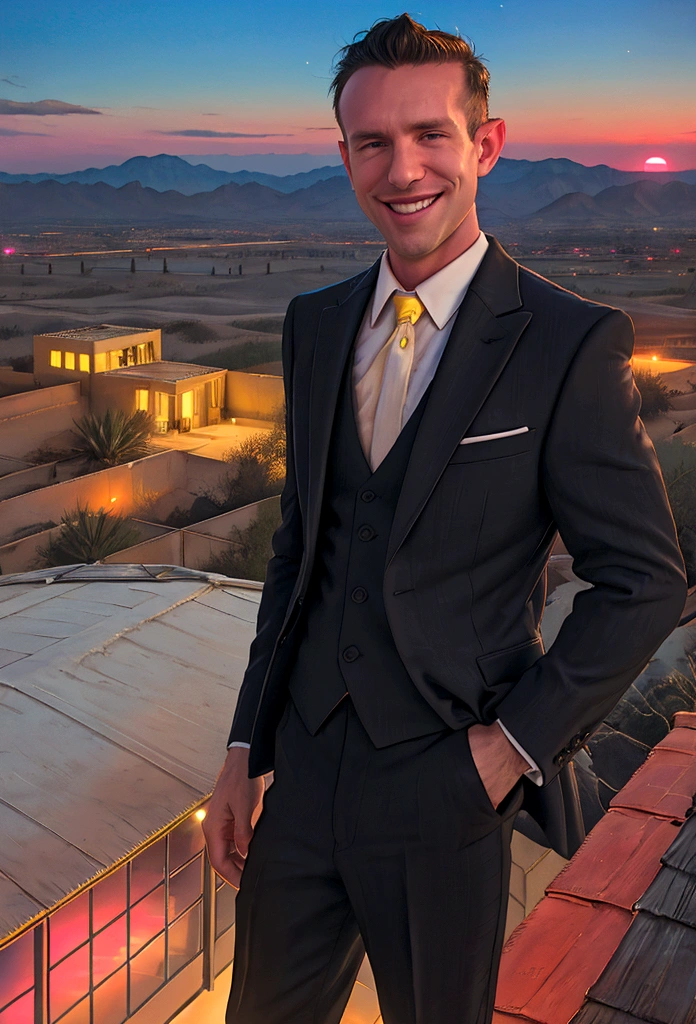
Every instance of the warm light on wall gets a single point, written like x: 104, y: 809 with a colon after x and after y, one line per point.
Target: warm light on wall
x: 200, y: 814
x: 113, y: 500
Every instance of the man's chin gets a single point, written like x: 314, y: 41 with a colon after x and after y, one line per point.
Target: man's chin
x: 411, y: 249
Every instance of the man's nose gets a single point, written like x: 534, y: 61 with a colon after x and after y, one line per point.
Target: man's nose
x: 406, y: 166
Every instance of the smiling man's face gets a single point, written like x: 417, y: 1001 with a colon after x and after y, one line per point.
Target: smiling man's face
x: 412, y: 163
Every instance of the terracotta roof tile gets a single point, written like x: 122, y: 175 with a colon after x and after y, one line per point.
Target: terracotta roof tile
x: 553, y: 957
x: 664, y: 785
x: 683, y: 739
x: 684, y: 720
x: 618, y: 860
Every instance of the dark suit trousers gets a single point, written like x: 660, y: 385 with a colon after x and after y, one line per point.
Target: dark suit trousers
x: 397, y: 852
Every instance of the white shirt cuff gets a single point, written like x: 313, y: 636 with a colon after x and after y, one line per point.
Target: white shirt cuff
x: 534, y: 771
x: 238, y: 743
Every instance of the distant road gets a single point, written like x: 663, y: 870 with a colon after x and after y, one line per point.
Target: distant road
x: 161, y: 248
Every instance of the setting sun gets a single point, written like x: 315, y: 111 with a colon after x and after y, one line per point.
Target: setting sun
x: 655, y: 163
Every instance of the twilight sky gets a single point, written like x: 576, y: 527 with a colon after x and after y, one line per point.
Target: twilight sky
x: 599, y: 81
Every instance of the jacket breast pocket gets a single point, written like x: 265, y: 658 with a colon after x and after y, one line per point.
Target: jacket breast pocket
x: 495, y: 448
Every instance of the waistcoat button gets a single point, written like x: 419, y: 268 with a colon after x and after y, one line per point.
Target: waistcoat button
x: 359, y: 595
x: 366, y: 533
x: 351, y: 654
x: 368, y: 495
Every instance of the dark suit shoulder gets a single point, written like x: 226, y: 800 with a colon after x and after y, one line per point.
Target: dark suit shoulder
x: 541, y: 295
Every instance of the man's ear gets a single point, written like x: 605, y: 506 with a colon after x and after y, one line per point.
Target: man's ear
x: 343, y: 150
x: 489, y: 141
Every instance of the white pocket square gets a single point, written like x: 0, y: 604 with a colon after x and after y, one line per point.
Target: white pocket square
x: 491, y: 437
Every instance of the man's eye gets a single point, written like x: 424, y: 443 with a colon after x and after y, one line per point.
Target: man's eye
x: 434, y: 135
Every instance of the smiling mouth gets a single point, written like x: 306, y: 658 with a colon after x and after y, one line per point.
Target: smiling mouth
x: 414, y: 207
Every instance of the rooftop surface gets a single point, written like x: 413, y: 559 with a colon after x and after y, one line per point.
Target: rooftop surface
x: 117, y: 688
x: 99, y: 332
x: 163, y: 370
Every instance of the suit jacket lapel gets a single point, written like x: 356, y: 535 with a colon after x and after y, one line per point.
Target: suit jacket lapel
x: 338, y: 327
x: 483, y: 338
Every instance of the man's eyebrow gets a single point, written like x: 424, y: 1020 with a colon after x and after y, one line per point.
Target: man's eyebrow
x: 417, y: 126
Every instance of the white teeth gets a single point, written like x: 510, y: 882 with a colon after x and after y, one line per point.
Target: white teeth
x: 411, y: 207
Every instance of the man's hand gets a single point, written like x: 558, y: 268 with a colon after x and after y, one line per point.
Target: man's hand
x: 497, y: 762
x: 233, y: 811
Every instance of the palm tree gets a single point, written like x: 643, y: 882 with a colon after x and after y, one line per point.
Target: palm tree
x: 115, y: 437
x: 88, y: 536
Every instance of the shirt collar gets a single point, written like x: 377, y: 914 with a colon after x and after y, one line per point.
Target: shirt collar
x: 442, y: 293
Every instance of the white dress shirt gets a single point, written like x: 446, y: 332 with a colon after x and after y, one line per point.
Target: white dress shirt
x: 442, y: 295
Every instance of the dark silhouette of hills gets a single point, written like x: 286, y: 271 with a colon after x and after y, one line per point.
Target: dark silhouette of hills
x: 641, y: 201
x: 249, y: 205
x: 514, y: 188
x: 164, y: 173
x: 331, y: 201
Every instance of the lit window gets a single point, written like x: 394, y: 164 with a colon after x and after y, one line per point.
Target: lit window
x: 68, y: 928
x: 69, y: 360
x: 84, y: 362
x: 109, y: 899
x: 162, y: 405
x: 142, y: 399
x: 17, y: 975
x: 146, y: 972
x: 55, y: 358
x: 100, y: 362
x: 147, y: 870
x: 185, y: 887
x: 115, y: 359
x: 69, y: 981
x: 186, y: 938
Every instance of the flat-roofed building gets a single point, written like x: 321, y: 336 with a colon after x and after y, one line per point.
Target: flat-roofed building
x: 82, y: 352
x: 122, y: 368
x: 180, y: 396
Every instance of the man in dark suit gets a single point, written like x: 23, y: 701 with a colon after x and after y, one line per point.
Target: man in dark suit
x: 448, y: 412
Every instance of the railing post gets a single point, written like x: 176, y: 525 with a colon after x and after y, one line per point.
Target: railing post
x: 209, y: 927
x: 41, y: 973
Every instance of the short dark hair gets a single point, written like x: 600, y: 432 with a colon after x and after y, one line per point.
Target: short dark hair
x: 395, y: 42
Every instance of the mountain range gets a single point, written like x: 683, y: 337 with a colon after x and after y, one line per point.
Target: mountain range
x: 329, y: 202
x: 514, y: 188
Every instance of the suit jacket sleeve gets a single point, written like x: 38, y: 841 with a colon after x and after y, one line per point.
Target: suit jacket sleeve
x: 604, y: 486
x: 282, y: 572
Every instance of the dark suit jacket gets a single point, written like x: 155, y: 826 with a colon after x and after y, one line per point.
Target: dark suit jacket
x: 465, y: 579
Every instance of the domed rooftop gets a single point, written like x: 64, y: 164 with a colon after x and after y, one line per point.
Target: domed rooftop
x: 118, y: 684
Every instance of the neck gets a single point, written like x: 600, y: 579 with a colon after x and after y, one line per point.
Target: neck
x: 410, y: 272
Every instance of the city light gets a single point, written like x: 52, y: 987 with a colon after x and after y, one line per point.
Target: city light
x: 9, y: 252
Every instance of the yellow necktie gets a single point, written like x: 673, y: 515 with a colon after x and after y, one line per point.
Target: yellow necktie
x: 395, y: 379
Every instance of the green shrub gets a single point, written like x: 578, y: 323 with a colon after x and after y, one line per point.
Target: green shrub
x: 252, y: 549
x: 88, y: 536
x: 654, y: 393
x: 678, y: 463
x: 115, y: 437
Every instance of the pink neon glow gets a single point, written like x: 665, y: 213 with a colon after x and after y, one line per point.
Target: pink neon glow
x: 9, y: 252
